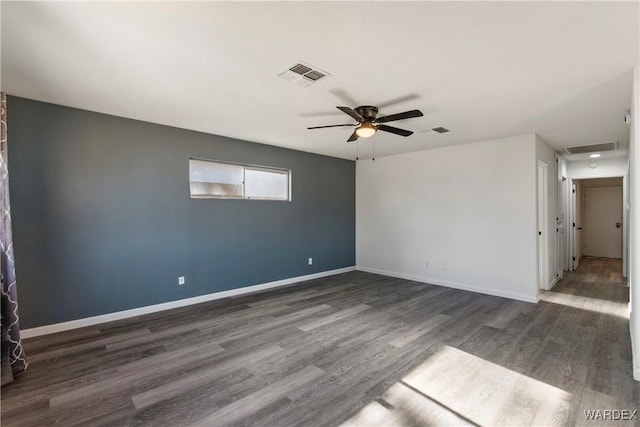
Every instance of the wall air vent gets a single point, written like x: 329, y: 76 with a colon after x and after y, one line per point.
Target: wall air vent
x: 607, y: 146
x: 302, y: 74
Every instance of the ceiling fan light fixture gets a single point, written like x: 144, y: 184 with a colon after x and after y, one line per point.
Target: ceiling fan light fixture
x: 366, y: 130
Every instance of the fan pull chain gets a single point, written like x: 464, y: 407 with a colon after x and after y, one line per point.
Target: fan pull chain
x: 373, y: 150
x: 357, y: 151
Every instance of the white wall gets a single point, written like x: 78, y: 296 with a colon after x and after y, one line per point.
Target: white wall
x: 562, y: 168
x: 634, y: 223
x: 615, y: 166
x: 548, y: 155
x: 461, y: 216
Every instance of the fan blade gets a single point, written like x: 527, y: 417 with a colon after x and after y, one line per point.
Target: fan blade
x: 399, y: 100
x: 352, y: 113
x: 400, y: 116
x: 397, y: 131
x: 330, y: 126
x: 353, y: 137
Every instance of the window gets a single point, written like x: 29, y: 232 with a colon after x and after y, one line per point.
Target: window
x: 220, y: 180
x: 266, y: 184
x: 211, y: 179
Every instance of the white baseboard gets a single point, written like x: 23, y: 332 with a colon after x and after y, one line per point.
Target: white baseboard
x: 95, y: 320
x: 448, y: 284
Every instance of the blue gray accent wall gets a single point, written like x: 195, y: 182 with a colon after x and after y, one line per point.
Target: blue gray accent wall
x: 103, y: 221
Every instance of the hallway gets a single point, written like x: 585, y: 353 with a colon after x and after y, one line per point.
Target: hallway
x: 595, y: 330
x: 596, y: 285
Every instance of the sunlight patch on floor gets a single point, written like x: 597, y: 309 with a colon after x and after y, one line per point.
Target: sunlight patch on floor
x: 453, y: 387
x: 598, y: 305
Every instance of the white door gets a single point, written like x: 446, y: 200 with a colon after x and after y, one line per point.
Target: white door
x: 603, y: 221
x: 574, y: 228
x: 543, y: 264
x: 577, y: 225
x: 568, y: 230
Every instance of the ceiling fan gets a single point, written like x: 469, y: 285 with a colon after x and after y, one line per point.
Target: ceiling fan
x: 368, y: 122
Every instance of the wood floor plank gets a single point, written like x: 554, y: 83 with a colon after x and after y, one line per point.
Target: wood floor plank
x: 416, y: 331
x: 244, y: 407
x: 194, y: 403
x: 200, y: 376
x: 90, y: 344
x: 334, y: 317
x: 193, y: 352
x: 117, y: 379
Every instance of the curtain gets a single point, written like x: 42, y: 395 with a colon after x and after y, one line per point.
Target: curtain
x: 13, y: 357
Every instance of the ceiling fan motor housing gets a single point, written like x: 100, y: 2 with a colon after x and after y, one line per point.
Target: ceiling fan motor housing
x: 368, y: 112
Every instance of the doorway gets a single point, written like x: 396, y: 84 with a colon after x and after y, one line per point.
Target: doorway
x: 596, y: 222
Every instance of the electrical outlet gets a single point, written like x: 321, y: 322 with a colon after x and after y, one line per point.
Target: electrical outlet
x: 310, y: 261
x: 180, y: 280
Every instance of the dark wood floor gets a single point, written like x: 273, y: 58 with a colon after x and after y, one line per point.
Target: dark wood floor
x: 353, y: 349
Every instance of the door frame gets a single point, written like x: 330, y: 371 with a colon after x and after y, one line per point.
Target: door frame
x: 561, y: 218
x: 625, y: 225
x: 542, y: 204
x: 566, y: 241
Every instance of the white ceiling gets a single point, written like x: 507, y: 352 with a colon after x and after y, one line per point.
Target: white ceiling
x: 484, y: 70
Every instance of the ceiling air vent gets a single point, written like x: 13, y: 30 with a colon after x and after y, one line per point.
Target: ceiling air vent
x: 440, y: 129
x: 302, y: 74
x: 607, y: 146
x: 314, y: 75
x: 300, y: 69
